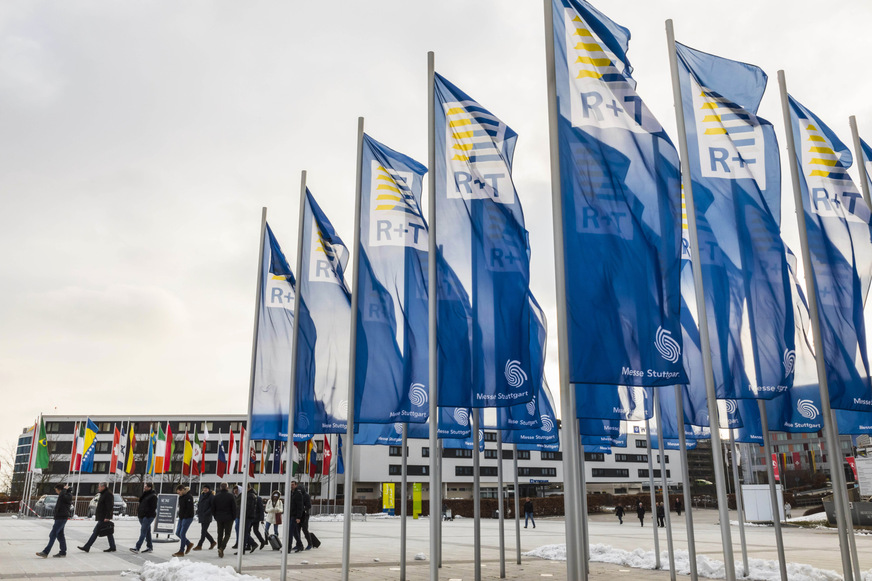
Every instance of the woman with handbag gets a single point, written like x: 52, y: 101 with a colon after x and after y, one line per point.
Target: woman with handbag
x: 274, y: 509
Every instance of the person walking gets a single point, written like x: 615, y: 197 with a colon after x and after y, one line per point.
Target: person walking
x: 661, y: 515
x: 204, y: 517
x: 61, y: 516
x: 186, y: 517
x: 224, y: 512
x: 103, y: 516
x: 528, y: 512
x: 249, y: 543
x: 146, y: 512
x: 678, y: 506
x: 274, y: 509
x: 640, y: 512
x: 259, y: 516
x: 295, y: 512
x: 304, y: 522
x: 619, y: 512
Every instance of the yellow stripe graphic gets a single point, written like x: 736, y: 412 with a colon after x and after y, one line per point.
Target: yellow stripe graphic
x: 819, y: 161
x: 592, y: 74
x: 459, y: 123
x: 710, y: 118
x: 819, y: 173
x: 812, y: 128
x: 592, y: 61
x: 383, y: 207
x: 821, y: 150
x: 582, y: 32
x: 387, y: 187
x: 462, y: 146
x: 463, y: 135
x: 709, y: 106
x: 389, y: 197
x: 715, y: 131
x: 455, y: 111
x: 460, y: 158
x: 589, y: 46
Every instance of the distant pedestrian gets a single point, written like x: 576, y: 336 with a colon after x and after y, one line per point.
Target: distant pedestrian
x: 146, y: 512
x: 296, y: 509
x: 678, y: 506
x: 61, y: 516
x: 204, y: 517
x: 237, y: 498
x: 640, y: 512
x: 619, y: 512
x: 103, y: 516
x: 186, y: 517
x: 787, y: 509
x: 528, y: 512
x: 274, y: 509
x: 248, y: 543
x: 224, y: 511
x: 661, y: 514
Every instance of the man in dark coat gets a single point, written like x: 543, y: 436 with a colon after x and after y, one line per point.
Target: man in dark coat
x: 678, y: 505
x: 619, y: 512
x: 103, y: 516
x: 528, y: 513
x: 295, y: 513
x: 61, y: 516
x: 224, y: 512
x: 186, y: 517
x: 145, y: 513
x: 204, y: 517
x: 249, y: 543
x: 640, y: 512
x: 661, y: 515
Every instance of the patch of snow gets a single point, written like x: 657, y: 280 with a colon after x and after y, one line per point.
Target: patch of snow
x: 735, y: 523
x: 420, y: 557
x: 817, y: 517
x: 376, y: 560
x: 178, y: 570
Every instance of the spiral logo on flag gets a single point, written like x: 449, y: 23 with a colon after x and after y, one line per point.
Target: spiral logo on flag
x: 515, y: 376
x: 531, y: 406
x: 398, y: 428
x: 547, y: 424
x: 461, y: 416
x: 789, y: 361
x: 666, y: 345
x: 302, y: 423
x: 807, y: 409
x: 731, y: 405
x: 418, y: 395
x: 343, y: 409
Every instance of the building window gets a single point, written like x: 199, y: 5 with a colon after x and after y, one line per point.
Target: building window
x: 610, y: 473
x: 411, y: 469
x: 364, y: 490
x: 483, y: 471
x: 631, y: 457
x: 594, y: 457
x: 552, y: 455
x: 490, y: 436
x: 507, y: 455
x: 52, y: 427
x: 490, y: 455
x: 533, y: 472
x: 658, y: 459
x: 641, y: 444
x: 103, y: 447
x: 456, y: 453
x: 397, y: 451
x: 643, y: 473
x: 425, y: 452
x: 523, y: 454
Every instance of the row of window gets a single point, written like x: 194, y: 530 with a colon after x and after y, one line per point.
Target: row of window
x: 459, y: 453
x: 623, y: 473
x: 637, y: 458
x: 492, y: 471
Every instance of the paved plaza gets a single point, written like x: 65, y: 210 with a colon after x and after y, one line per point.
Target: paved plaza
x: 375, y: 549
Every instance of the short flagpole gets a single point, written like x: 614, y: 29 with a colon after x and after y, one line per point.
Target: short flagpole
x: 832, y: 437
x: 352, y: 363
x: 403, y: 487
x: 653, y: 492
x: 773, y: 494
x: 476, y: 493
x: 576, y: 564
x: 501, y: 502
x: 517, y: 505
x: 664, y: 480
x: 861, y: 158
x: 292, y: 392
x: 702, y: 315
x: 244, y: 442
x: 737, y: 490
x: 685, y: 481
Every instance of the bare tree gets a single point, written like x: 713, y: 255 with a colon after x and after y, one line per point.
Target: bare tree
x: 7, y: 465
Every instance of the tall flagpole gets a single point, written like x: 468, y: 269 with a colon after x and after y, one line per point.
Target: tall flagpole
x: 832, y: 437
x: 685, y: 481
x: 576, y: 564
x: 702, y: 315
x: 292, y: 392
x: 773, y: 494
x: 653, y: 490
x: 843, y: 485
x: 244, y: 445
x: 737, y: 490
x: 861, y: 159
x: 352, y: 362
x: 403, y: 492
x: 517, y: 506
x: 501, y: 502
x: 664, y: 480
x: 435, y: 492
x: 476, y: 493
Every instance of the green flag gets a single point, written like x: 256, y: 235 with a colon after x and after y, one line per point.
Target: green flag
x: 41, y: 462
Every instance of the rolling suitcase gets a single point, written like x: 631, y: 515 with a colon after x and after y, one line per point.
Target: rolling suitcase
x: 274, y: 542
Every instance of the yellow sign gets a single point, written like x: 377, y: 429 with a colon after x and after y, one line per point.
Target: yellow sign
x: 387, y: 496
x: 416, y: 499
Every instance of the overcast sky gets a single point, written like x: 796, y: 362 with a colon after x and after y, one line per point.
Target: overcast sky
x: 140, y: 140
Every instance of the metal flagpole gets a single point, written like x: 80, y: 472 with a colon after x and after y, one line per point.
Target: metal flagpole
x: 476, y: 492
x: 352, y: 363
x: 582, y: 524
x: 244, y: 445
x: 439, y: 526
x: 403, y: 488
x: 292, y: 392
x: 685, y: 481
x: 124, y: 460
x: 843, y: 486
x: 702, y: 315
x: 576, y: 565
x: 664, y: 480
x: 653, y: 491
x: 435, y: 491
x: 737, y: 490
x: 773, y: 495
x: 832, y: 438
x: 501, y: 502
x: 858, y: 152
x: 517, y: 505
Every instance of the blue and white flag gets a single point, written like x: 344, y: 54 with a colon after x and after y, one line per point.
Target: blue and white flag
x: 597, y: 427
x: 867, y: 161
x: 546, y: 430
x: 325, y: 320
x: 751, y: 431
x: 275, y: 341
x: 736, y: 174
x: 838, y: 225
x: 482, y: 237
x: 555, y: 447
x: 620, y: 402
x: 854, y: 423
x: 392, y: 342
x: 797, y: 411
x: 619, y: 441
x: 620, y: 184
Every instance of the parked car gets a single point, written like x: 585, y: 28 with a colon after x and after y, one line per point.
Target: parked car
x: 45, y: 506
x: 118, y: 509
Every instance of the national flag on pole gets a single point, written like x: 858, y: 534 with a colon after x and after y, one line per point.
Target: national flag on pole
x: 240, y: 452
x: 187, y: 455
x: 264, y: 455
x: 90, y: 446
x: 221, y: 465
x: 34, y: 436
x: 852, y: 462
x: 775, y: 466
x: 838, y: 223
x: 272, y: 371
x: 73, y: 466
x: 116, y: 450
x: 313, y: 459
x: 278, y: 457
x: 160, y: 450
x: 797, y: 462
x: 41, y: 461
x: 197, y: 455
x: 130, y: 461
x: 151, y: 466
x: 171, y: 449
x: 328, y: 457
x: 340, y: 463
x: 203, y: 441
x: 298, y: 466
x: 231, y: 458
x: 252, y: 458
x: 121, y: 456
x: 620, y: 187
x: 80, y: 446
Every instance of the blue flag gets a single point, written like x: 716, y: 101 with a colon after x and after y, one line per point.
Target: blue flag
x: 736, y: 175
x: 325, y: 320
x: 340, y: 462
x: 867, y: 161
x: 546, y: 431
x: 596, y: 427
x: 620, y: 184
x: 612, y: 441
x: 751, y: 431
x: 838, y: 226
x: 603, y: 402
x: 483, y: 239
x: 272, y: 371
x: 854, y: 423
x: 392, y: 349
x: 91, y: 431
x: 278, y: 448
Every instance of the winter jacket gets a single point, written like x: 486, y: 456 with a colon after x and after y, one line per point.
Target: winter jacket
x: 204, y: 507
x: 186, y: 506
x: 528, y: 507
x: 224, y: 507
x: 640, y: 511
x: 62, y: 508
x: 619, y: 511
x: 147, y: 505
x: 297, y: 508
x: 259, y: 510
x: 105, y: 505
x: 661, y: 511
x: 272, y: 509
x: 251, y: 507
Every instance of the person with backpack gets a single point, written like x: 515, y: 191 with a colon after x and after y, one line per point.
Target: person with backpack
x: 204, y: 517
x: 661, y: 515
x: 296, y: 509
x: 146, y: 512
x: 61, y: 516
x: 249, y: 544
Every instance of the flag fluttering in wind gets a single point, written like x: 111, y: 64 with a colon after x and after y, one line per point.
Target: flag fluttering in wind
x: 197, y: 455
x: 152, y: 452
x: 221, y: 465
x: 160, y: 450
x: 116, y: 450
x: 41, y: 458
x: 231, y: 457
x: 90, y: 446
x: 73, y: 451
x: 340, y: 463
x: 327, y: 458
x: 187, y: 455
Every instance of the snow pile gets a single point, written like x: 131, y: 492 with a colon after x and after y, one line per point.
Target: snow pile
x: 327, y: 518
x: 758, y: 570
x: 420, y: 557
x: 177, y: 570
x: 816, y: 517
x: 735, y: 523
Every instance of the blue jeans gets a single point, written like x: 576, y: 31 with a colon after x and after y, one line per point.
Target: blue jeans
x: 182, y: 532
x: 145, y: 532
x: 528, y: 516
x: 275, y: 529
x: 57, y: 532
